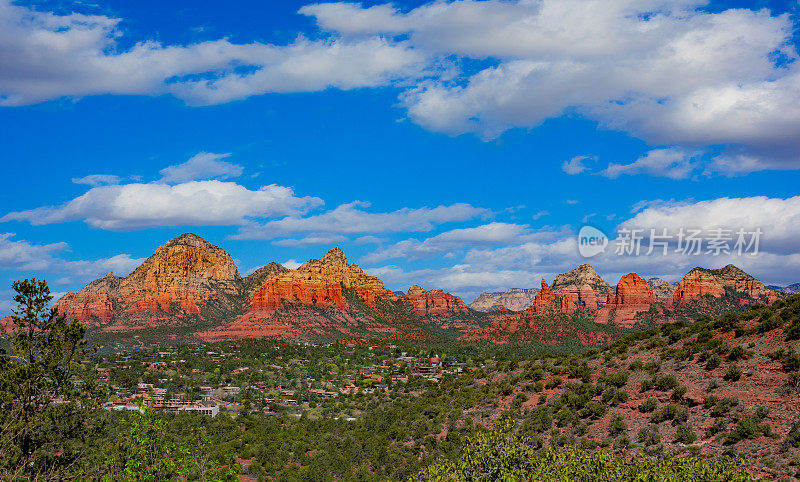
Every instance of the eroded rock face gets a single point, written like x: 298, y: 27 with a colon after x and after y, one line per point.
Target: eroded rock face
x: 700, y: 282
x: 6, y: 325
x: 662, y: 290
x: 515, y: 299
x: 583, y: 287
x: 633, y: 295
x: 179, y: 274
x: 95, y: 302
x: 178, y: 280
x: 434, y: 302
x: 318, y: 282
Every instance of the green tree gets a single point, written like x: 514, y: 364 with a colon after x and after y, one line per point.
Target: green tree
x: 46, y: 397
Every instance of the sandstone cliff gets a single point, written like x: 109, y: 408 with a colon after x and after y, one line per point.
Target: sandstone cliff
x: 583, y: 286
x: 173, y: 285
x: 515, y: 299
x: 717, y: 283
x: 632, y: 295
x: 662, y: 290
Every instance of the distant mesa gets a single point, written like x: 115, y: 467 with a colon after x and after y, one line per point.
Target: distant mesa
x: 515, y: 299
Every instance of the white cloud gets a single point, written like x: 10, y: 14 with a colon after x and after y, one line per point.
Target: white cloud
x: 576, y: 165
x: 666, y: 71
x: 21, y: 255
x: 204, y: 165
x: 523, y: 264
x: 352, y: 218
x: 674, y: 163
x: 97, y: 180
x: 539, y: 215
x: 778, y: 218
x: 670, y: 72
x: 312, y: 240
x: 197, y: 203
x: 175, y: 200
x: 369, y: 239
x: 291, y: 264
x: 488, y: 234
x: 46, y: 56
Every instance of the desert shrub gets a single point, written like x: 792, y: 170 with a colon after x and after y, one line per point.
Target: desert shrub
x: 617, y: 425
x: 679, y: 392
x: 618, y: 379
x: 614, y: 396
x: 747, y: 428
x: 649, y: 436
x: 768, y: 324
x: 723, y: 406
x: 793, y: 437
x: 733, y: 373
x: 553, y: 383
x: 636, y: 365
x: 685, y: 434
x: 593, y: 410
x: 719, y: 426
x: 648, y: 405
x: 713, y: 362
x: 646, y: 385
x: 791, y: 362
x: 519, y: 399
x: 737, y: 353
x: 665, y: 382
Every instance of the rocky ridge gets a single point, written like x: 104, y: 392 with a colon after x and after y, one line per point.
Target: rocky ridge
x: 515, y: 299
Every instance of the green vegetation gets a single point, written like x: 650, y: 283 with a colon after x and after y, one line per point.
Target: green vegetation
x: 394, y: 410
x: 503, y: 455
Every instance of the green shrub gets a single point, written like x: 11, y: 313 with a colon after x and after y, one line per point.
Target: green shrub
x: 685, y: 434
x: 617, y: 425
x: 648, y: 405
x: 553, y: 383
x: 713, y: 362
x: 665, y: 382
x: 733, y: 373
x: 503, y: 455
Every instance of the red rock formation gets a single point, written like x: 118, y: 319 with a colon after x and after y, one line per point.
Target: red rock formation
x: 582, y: 287
x: 319, y: 283
x: 6, y: 325
x: 434, y: 302
x: 179, y: 279
x: 95, y: 302
x: 633, y: 295
x: 707, y: 282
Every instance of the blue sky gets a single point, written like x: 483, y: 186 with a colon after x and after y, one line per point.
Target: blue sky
x: 458, y: 145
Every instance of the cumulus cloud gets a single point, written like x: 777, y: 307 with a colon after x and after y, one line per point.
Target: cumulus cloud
x: 524, y: 263
x: 291, y: 264
x: 673, y: 163
x: 46, y: 56
x: 488, y: 234
x: 22, y: 255
x: 779, y: 219
x: 665, y: 71
x: 197, y: 203
x: 670, y: 72
x: 352, y: 218
x: 204, y: 165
